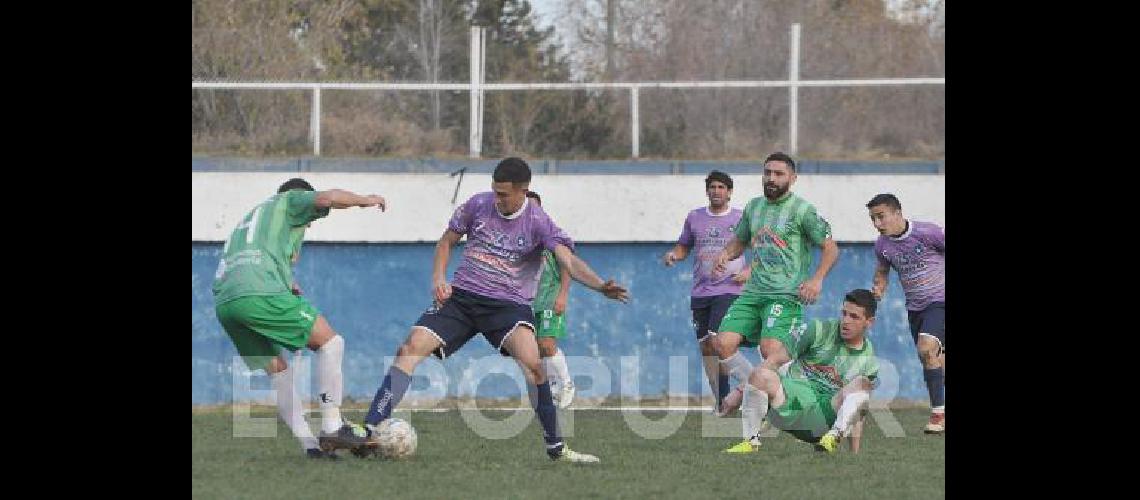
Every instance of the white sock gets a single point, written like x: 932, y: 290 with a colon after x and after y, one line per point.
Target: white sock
x: 938, y: 409
x: 289, y: 408
x: 738, y: 367
x: 330, y: 382
x: 753, y: 410
x: 852, y: 403
x: 558, y: 362
x: 551, y: 370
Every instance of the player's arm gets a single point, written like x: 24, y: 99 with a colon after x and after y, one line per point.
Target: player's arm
x: 678, y: 253
x: 879, y: 283
x: 441, y: 289
x: 743, y: 276
x: 731, y: 251
x: 339, y: 198
x: 829, y: 253
x: 581, y: 272
x: 563, y: 290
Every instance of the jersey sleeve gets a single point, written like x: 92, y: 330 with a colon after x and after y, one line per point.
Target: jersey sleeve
x: 744, y: 226
x: 815, y: 226
x: 686, y: 237
x: 461, y: 219
x: 302, y: 207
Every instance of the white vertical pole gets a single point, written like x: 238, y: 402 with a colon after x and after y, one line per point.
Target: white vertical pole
x: 794, y: 90
x: 315, y: 121
x: 475, y: 65
x: 482, y: 80
x: 634, y: 120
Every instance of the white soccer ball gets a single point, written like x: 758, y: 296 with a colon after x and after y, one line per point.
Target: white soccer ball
x: 396, y: 438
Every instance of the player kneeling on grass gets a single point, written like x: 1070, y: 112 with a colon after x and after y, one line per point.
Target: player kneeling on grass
x: 823, y: 396
x: 493, y: 290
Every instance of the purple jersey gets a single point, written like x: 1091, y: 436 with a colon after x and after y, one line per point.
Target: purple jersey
x: 503, y: 256
x: 919, y: 256
x: 706, y: 235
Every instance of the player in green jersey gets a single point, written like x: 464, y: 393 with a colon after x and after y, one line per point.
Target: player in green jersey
x: 259, y: 305
x: 824, y: 394
x: 779, y: 229
x: 549, y: 311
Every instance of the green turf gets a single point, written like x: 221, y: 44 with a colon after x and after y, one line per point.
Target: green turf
x: 454, y: 462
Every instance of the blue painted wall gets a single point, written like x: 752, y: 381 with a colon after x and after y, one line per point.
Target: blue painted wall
x: 372, y: 294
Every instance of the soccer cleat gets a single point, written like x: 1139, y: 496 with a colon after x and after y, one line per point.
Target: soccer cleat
x: 349, y: 436
x: 318, y: 453
x: 731, y: 402
x: 745, y: 446
x: 829, y: 442
x: 936, y: 425
x: 565, y: 394
x: 572, y: 456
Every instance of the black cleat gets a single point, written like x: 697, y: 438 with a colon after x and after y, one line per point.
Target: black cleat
x: 348, y: 437
x: 318, y: 453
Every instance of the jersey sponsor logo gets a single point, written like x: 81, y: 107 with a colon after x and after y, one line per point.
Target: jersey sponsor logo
x: 714, y: 232
x: 325, y: 398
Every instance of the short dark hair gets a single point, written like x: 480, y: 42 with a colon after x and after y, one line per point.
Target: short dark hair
x: 532, y: 194
x: 863, y: 298
x: 885, y: 199
x: 513, y: 170
x: 780, y: 156
x: 295, y: 183
x: 717, y: 175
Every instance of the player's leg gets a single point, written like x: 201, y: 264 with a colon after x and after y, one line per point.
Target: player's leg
x: 716, y: 376
x: 929, y: 330
x: 511, y: 330
x: 741, y: 321
x: 762, y: 391
x: 440, y: 330
x: 551, y: 328
x: 329, y: 349
x: 259, y: 352
x: 851, y: 402
x: 781, y: 317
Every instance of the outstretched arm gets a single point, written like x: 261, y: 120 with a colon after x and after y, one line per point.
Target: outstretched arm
x: 582, y: 273
x: 339, y: 198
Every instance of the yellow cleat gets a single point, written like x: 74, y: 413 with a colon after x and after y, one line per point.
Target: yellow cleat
x: 829, y: 442
x: 745, y: 446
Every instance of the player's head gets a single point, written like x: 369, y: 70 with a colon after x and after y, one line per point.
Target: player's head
x: 534, y: 196
x: 295, y: 183
x: 509, y: 182
x: 779, y: 175
x: 858, y: 313
x: 718, y: 187
x: 886, y: 214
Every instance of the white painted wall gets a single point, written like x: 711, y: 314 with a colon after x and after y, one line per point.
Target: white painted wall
x: 591, y: 208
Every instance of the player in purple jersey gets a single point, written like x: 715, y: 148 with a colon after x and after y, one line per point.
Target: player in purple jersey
x: 917, y: 252
x: 706, y: 231
x: 491, y: 294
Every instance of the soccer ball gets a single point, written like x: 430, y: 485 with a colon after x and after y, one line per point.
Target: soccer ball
x: 396, y: 438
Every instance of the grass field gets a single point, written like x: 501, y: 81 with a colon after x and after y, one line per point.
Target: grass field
x: 454, y: 462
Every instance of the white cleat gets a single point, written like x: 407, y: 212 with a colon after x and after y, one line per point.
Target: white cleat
x: 572, y: 456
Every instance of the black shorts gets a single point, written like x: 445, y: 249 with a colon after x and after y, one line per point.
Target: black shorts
x: 466, y: 314
x: 930, y: 321
x: 707, y: 313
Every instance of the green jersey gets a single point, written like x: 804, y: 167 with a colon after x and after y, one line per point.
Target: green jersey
x: 257, y: 257
x: 825, y: 361
x: 780, y: 234
x: 548, y: 284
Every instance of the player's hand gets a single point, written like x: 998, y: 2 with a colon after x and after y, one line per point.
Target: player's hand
x: 669, y: 259
x: 615, y: 291
x: 809, y: 290
x: 560, y: 304
x: 376, y: 200
x: 441, y: 291
x: 296, y: 289
x: 739, y: 278
x: 720, y: 265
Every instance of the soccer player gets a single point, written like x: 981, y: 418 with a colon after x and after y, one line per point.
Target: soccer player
x: 549, y: 310
x: 492, y: 293
x: 917, y: 252
x: 823, y: 396
x: 260, y: 307
x: 708, y: 229
x: 780, y: 228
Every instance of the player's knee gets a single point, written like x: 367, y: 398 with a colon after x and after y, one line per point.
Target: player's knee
x: 276, y: 365
x: 406, y: 349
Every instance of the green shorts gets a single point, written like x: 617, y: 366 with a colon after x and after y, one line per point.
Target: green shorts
x: 550, y: 324
x: 758, y: 318
x: 806, y: 413
x: 259, y: 324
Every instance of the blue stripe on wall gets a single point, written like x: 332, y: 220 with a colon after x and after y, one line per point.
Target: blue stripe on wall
x: 373, y: 293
